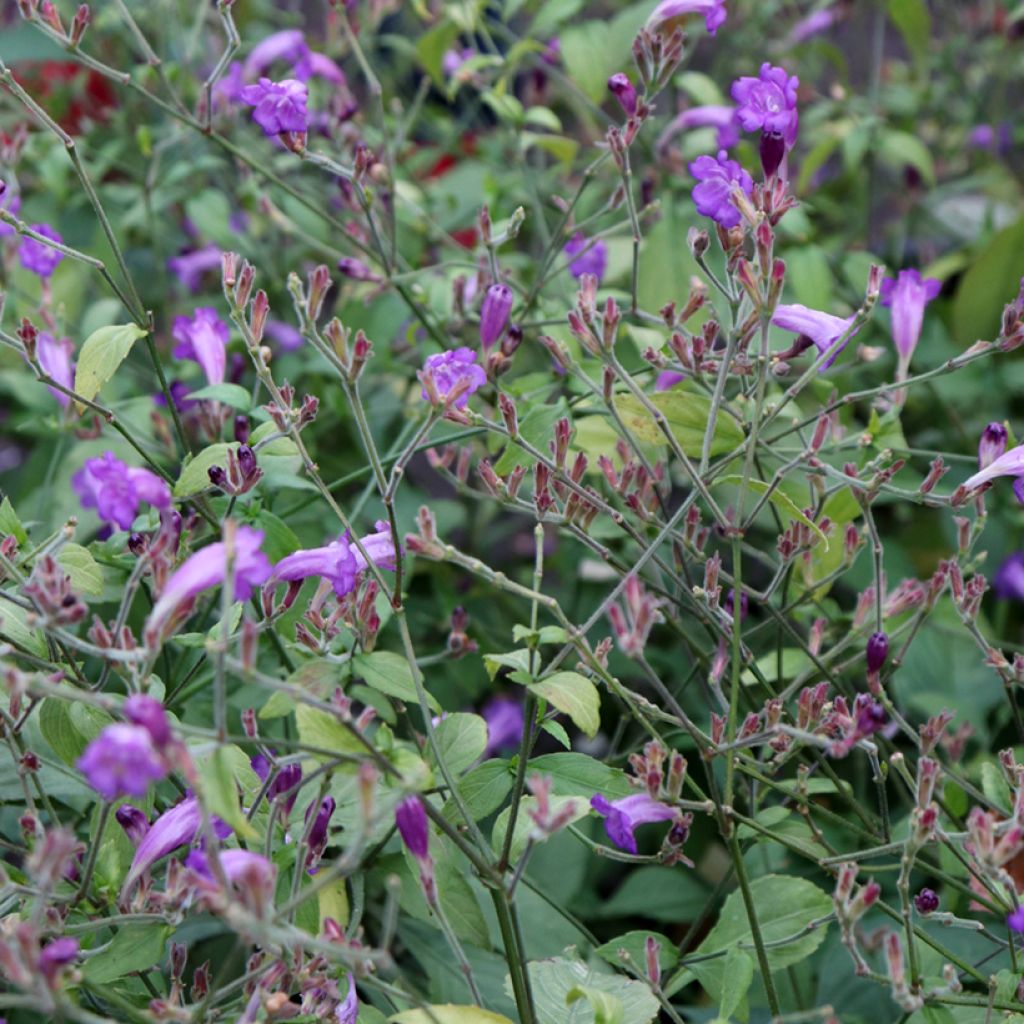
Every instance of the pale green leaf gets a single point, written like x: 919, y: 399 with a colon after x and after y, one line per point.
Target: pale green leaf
x: 103, y: 352
x: 84, y: 571
x: 573, y: 694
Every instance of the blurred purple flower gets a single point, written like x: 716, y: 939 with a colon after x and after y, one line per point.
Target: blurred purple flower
x: 55, y: 359
x: 722, y: 117
x: 505, y: 724
x: 624, y: 91
x: 288, y: 46
x: 284, y: 335
x: 411, y: 819
x: 908, y: 294
x: 149, y: 713
x: 593, y: 258
x: 11, y: 202
x: 1015, y: 920
x: 453, y: 367
x: 669, y: 13
x: 821, y: 329
x: 229, y: 88
x: 121, y: 761
x: 207, y: 568
x: 452, y: 61
x: 1010, y: 463
x: 668, y: 379
x: 179, y: 395
x: 814, y: 24
x: 116, y: 490
x: 280, y: 106
x: 38, y: 257
x: 718, y: 178
x: 318, y: 65
x: 340, y: 561
x: 348, y: 1011
x: 190, y: 266
x: 286, y: 785
x: 203, y: 337
x: 235, y: 864
x: 621, y: 817
x: 55, y: 955
x: 1008, y: 582
x: 768, y: 103
x: 133, y: 821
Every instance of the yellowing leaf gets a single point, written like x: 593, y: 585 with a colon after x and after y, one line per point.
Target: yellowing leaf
x: 686, y: 414
x: 574, y: 694
x: 448, y: 1013
x: 103, y: 352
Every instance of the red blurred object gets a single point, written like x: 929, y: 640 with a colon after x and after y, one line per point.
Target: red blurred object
x: 71, y: 94
x: 466, y: 237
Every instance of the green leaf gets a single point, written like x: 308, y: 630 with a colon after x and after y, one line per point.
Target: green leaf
x: 14, y: 626
x: 10, y: 523
x: 557, y: 730
x: 217, y: 774
x: 228, y: 394
x: 782, y: 501
x: 607, y: 1007
x: 322, y: 731
x: 482, y: 790
x: 136, y: 947
x: 461, y: 739
x: 992, y: 280
x: 911, y: 17
x: 211, y: 209
x: 994, y: 786
x: 517, y: 660
x: 195, y: 476
x: 582, y: 775
x: 432, y: 46
x: 738, y: 974
x: 635, y: 945
x: 686, y: 415
x: 103, y: 352
x: 448, y: 1013
x: 553, y: 980
x: 389, y: 673
x: 279, y: 539
x: 660, y: 893
x: 573, y: 694
x: 69, y: 727
x: 85, y: 572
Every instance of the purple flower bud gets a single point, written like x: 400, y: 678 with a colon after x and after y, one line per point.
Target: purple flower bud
x: 242, y: 429
x: 286, y: 786
x: 55, y: 955
x: 494, y: 313
x: 217, y: 476
x: 623, y: 90
x: 411, y: 819
x: 246, y: 460
x: 772, y: 149
x: 133, y: 821
x: 926, y: 901
x: 877, y: 651
x: 150, y: 714
x: 992, y: 444
x: 1016, y: 920
x: 317, y: 840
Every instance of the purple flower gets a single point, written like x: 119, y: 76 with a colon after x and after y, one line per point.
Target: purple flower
x: 286, y: 786
x: 1010, y: 463
x: 768, y: 103
x: 926, y: 901
x: 203, y: 337
x: 288, y: 46
x: 624, y: 91
x: 593, y: 258
x: 318, y: 835
x: 348, y: 1011
x: 452, y: 61
x: 821, y: 329
x: 11, y: 202
x: 122, y: 761
x: 722, y: 117
x: 982, y: 136
x: 174, y: 828
x: 116, y: 490
x: 455, y: 367
x: 55, y: 359
x: 55, y: 955
x: 340, y: 562
x: 38, y: 257
x: 236, y: 865
x: 284, y: 335
x: 908, y: 294
x: 668, y: 379
x: 229, y: 88
x: 133, y: 821
x: 1015, y: 921
x: 505, y: 724
x: 150, y: 714
x: 192, y: 264
x: 1008, y: 582
x: 280, y: 106
x: 718, y: 178
x: 318, y: 65
x: 992, y: 444
x: 357, y: 269
x: 814, y: 24
x: 621, y: 817
x: 207, y: 568
x: 411, y: 819
x: 877, y: 651
x: 670, y: 13
x: 494, y: 313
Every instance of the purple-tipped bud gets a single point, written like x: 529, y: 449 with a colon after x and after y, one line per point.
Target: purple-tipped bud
x: 926, y: 901
x: 217, y: 475
x: 286, y: 786
x: 411, y: 819
x: 149, y: 713
x: 133, y: 821
x: 992, y: 444
x: 877, y: 651
x: 494, y: 313
x: 242, y: 429
x: 246, y: 460
x: 623, y: 90
x: 318, y: 833
x: 773, y: 150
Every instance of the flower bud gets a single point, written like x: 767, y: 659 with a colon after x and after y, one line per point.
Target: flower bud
x: 623, y: 90
x: 411, y: 819
x: 877, y: 651
x: 494, y: 313
x: 773, y: 151
x: 926, y: 901
x: 992, y: 444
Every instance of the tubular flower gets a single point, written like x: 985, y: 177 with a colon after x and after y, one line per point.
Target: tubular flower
x: 411, y: 819
x: 55, y: 359
x: 1010, y: 463
x: 203, y: 338
x: 288, y: 46
x: 621, y: 817
x: 340, y: 562
x: 189, y: 267
x: 207, y: 568
x: 670, y: 13
x: 713, y: 196
x: 907, y: 294
x: 992, y: 444
x: 116, y: 490
x: 820, y: 329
